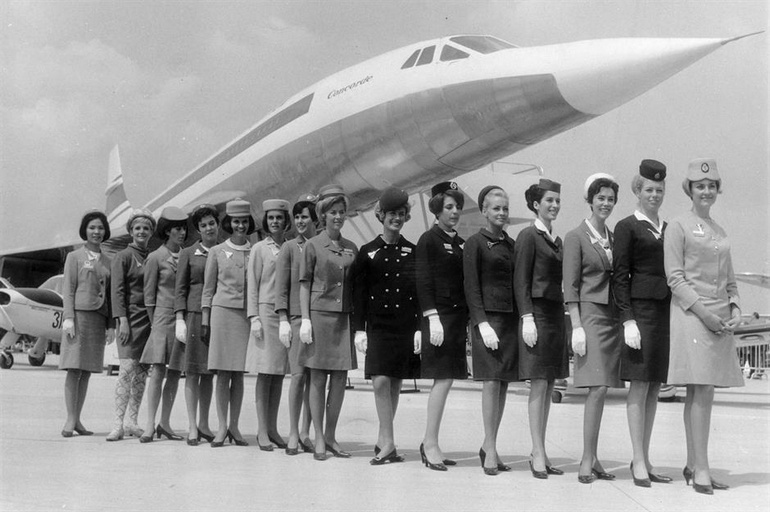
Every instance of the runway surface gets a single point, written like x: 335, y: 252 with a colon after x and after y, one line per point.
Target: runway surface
x: 40, y: 470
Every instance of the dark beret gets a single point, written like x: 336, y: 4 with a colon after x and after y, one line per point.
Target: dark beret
x: 392, y: 199
x: 652, y: 170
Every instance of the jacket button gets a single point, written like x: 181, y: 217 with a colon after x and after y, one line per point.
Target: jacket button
x: 338, y: 300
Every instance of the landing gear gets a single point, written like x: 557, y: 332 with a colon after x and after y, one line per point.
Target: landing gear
x: 36, y: 361
x: 6, y: 360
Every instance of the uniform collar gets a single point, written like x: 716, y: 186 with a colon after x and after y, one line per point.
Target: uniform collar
x: 540, y: 226
x: 643, y: 218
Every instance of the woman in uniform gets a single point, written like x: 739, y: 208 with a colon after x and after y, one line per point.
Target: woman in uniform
x: 290, y: 317
x: 705, y: 311
x: 326, y: 301
x: 445, y: 314
x: 543, y: 356
x: 642, y: 297
x: 127, y: 298
x: 223, y: 306
x: 162, y: 348
x: 272, y: 356
x: 386, y: 318
x: 488, y: 263
x: 187, y: 303
x: 87, y: 316
x: 595, y: 337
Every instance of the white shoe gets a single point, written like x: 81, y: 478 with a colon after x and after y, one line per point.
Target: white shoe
x: 133, y: 430
x: 115, y: 435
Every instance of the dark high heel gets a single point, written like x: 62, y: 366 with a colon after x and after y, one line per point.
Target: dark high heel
x: 702, y: 489
x: 160, y: 431
x: 687, y: 473
x: 280, y: 444
x: 639, y: 482
x: 376, y: 450
x: 542, y: 475
x: 238, y: 442
x: 551, y: 470
x: 428, y: 464
x: 586, y: 479
x: 320, y: 456
x: 292, y: 451
x: 219, y: 444
x: 306, y: 445
x: 719, y: 486
x: 602, y: 475
x: 83, y: 432
x: 393, y: 456
x: 341, y: 454
x: 660, y: 479
x: 192, y: 442
x: 487, y: 471
x: 503, y: 467
x: 449, y: 462
x: 66, y: 433
x: 145, y: 438
x: 208, y: 438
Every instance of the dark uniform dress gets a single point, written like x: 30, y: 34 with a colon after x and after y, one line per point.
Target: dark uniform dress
x: 488, y: 264
x: 642, y: 294
x: 187, y: 299
x: 127, y: 295
x: 386, y: 307
x: 440, y: 287
x: 537, y: 278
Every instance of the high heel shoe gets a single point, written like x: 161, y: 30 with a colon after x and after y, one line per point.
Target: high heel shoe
x: 306, y: 445
x: 218, y: 444
x: 280, y: 444
x: 392, y: 457
x: 428, y: 464
x: 66, y: 433
x: 238, y: 442
x: 207, y: 437
x: 542, y: 475
x: 265, y: 447
x: 487, y: 471
x: 341, y: 454
x: 687, y: 473
x: 702, y: 489
x: 639, y: 482
x: 660, y: 479
x: 133, y: 431
x: 503, y: 467
x: 551, y: 470
x: 160, y: 431
x: 192, y: 442
x: 83, y: 432
x: 602, y: 475
x: 145, y: 438
x: 587, y: 479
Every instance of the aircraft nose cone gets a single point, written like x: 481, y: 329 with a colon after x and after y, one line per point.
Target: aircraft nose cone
x: 599, y: 75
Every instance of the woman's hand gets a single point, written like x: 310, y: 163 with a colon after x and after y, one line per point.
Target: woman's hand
x: 361, y: 341
x: 180, y: 330
x: 123, y: 330
x: 436, y: 330
x: 417, y: 342
x: 68, y: 326
x: 205, y: 334
x: 631, y: 334
x: 284, y: 333
x: 489, y: 336
x: 306, y: 331
x: 529, y: 330
x: 579, y: 341
x: 713, y: 323
x: 256, y: 327
x: 735, y: 319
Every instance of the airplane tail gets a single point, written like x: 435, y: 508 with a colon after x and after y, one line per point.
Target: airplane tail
x: 117, y: 206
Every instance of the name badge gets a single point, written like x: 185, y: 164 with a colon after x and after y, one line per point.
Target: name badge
x: 407, y: 249
x: 448, y: 247
x: 88, y: 264
x: 348, y: 251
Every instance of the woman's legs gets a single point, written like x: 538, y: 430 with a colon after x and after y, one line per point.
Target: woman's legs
x: 169, y: 396
x: 191, y: 394
x: 539, y: 398
x: 223, y: 403
x: 383, y: 402
x: 122, y: 396
x: 154, y: 392
x: 700, y: 426
x: 636, y: 411
x: 274, y: 404
x: 318, y: 406
x: 296, y: 395
x: 334, y: 401
x: 491, y: 410
x: 205, y: 388
x: 304, y: 427
x: 236, y: 401
x: 649, y: 420
x: 262, y: 398
x: 137, y: 384
x: 436, y: 402
x: 71, y: 395
x: 592, y: 421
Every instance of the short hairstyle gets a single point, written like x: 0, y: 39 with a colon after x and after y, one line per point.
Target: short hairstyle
x: 325, y: 204
x: 638, y: 182
x: 599, y: 184
x: 495, y: 192
x: 169, y: 225
x: 300, y: 207
x: 201, y: 213
x: 379, y: 213
x: 88, y: 217
x: 228, y: 227
x: 436, y: 203
x: 286, y: 218
x: 534, y: 194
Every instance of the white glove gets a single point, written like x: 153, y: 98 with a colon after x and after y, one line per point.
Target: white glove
x: 256, y: 327
x: 632, y: 335
x: 436, y: 330
x: 579, y: 341
x: 68, y: 326
x: 488, y: 335
x: 529, y: 330
x: 284, y: 333
x: 361, y: 341
x: 306, y: 331
x: 417, y: 342
x: 181, y: 330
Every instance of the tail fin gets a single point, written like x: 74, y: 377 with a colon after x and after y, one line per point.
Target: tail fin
x: 117, y: 205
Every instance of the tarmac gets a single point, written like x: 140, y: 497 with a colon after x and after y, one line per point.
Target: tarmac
x: 42, y: 471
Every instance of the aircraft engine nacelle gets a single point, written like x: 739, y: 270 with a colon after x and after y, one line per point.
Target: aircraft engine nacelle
x: 31, y: 311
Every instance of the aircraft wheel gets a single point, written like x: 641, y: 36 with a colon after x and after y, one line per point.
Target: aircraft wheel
x: 36, y: 361
x: 556, y: 397
x: 6, y: 360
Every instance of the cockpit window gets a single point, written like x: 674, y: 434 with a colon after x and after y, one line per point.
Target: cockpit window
x: 411, y: 60
x: 426, y: 57
x: 452, y: 53
x: 482, y: 44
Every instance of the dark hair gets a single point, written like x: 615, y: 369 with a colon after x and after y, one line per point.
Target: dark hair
x: 599, y: 184
x: 88, y: 217
x: 199, y: 214
x: 299, y: 207
x: 171, y: 224
x: 227, y: 226
x: 534, y: 194
x: 287, y: 224
x: 436, y: 203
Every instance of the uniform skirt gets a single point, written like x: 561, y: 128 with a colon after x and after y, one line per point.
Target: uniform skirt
x: 601, y: 364
x: 500, y: 364
x: 271, y: 356
x: 448, y: 361
x: 549, y: 358
x: 196, y: 353
x: 390, y: 350
x: 650, y: 363
x: 229, y: 339
x: 138, y: 333
x: 699, y: 356
x: 296, y: 346
x: 162, y: 347
x: 86, y: 350
x: 332, y: 347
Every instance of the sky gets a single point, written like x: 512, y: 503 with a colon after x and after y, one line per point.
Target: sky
x: 172, y: 82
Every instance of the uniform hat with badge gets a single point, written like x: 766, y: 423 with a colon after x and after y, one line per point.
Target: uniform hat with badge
x: 392, y: 199
x: 141, y: 213
x: 701, y: 169
x: 549, y: 185
x: 330, y: 190
x: 652, y: 170
x: 306, y: 199
x: 238, y: 208
x: 88, y: 217
x: 442, y: 187
x: 171, y: 217
x: 275, y: 204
